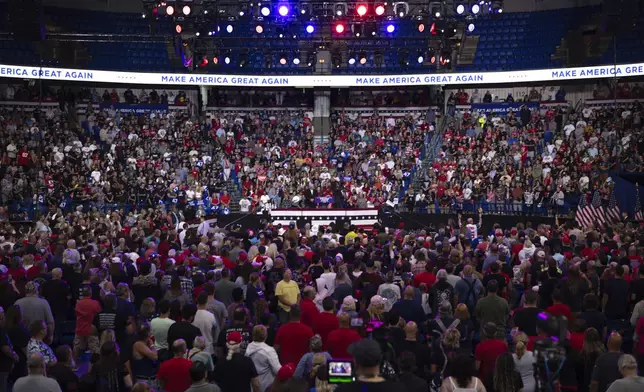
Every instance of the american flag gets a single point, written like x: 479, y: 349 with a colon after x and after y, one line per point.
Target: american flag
x: 584, y: 213
x: 639, y: 215
x: 598, y: 209
x: 613, y: 213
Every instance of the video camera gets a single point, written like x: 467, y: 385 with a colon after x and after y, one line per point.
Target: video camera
x: 549, y: 352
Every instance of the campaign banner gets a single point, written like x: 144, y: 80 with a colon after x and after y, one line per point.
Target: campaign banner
x: 324, y: 200
x: 135, y: 109
x: 503, y: 107
x: 462, y: 78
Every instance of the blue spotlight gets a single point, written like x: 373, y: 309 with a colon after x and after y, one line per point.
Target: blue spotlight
x: 391, y: 28
x: 310, y: 29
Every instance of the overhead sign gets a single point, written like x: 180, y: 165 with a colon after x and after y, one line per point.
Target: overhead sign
x: 177, y: 79
x: 503, y: 107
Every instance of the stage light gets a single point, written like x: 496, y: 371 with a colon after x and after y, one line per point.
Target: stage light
x: 178, y: 29
x: 370, y: 29
x: 420, y: 58
x: 470, y: 27
x: 421, y: 27
x: 391, y: 28
x: 361, y: 10
x: 197, y: 34
x: 215, y: 60
x: 229, y: 29
x: 437, y: 14
x: 241, y: 12
x: 380, y: 10
x: 339, y: 11
x: 339, y: 28
x: 283, y: 60
x: 296, y: 60
x: 401, y: 10
x: 143, y: 15
x: 259, y: 29
x: 187, y: 10
x: 476, y: 8
x: 352, y: 61
x: 432, y: 56
x: 497, y: 7
x: 283, y: 10
x: 227, y: 60
x: 460, y: 9
x: 363, y: 58
x: 170, y: 10
x: 310, y: 29
x: 265, y: 11
x: 204, y: 63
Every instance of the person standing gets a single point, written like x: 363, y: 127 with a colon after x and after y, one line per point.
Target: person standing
x: 184, y: 328
x: 235, y: 363
x: 367, y: 356
x: 630, y: 381
x: 159, y: 327
x: 292, y: 339
x: 8, y: 356
x: 606, y: 369
x: 224, y: 288
x: 174, y: 374
x: 288, y: 294
x: 214, y: 306
x: 264, y: 358
x: 199, y: 383
x: 493, y: 309
x: 325, y: 322
x: 489, y: 350
x: 36, y: 380
x: 62, y: 370
x: 86, y: 309
x: 36, y: 309
x: 206, y: 322
x: 340, y: 339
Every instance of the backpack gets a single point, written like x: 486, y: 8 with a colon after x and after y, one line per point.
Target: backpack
x: 437, y: 378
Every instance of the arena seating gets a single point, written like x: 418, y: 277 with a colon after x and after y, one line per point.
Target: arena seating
x: 510, y: 41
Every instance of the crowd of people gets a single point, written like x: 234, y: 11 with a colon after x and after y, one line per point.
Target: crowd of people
x: 530, y: 161
x: 271, y: 308
x: 109, y: 291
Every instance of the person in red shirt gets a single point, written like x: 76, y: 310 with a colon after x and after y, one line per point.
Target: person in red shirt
x: 308, y: 307
x: 174, y: 374
x: 86, y: 310
x: 558, y: 308
x: 488, y: 351
x: 427, y: 277
x: 578, y: 334
x: 326, y: 322
x: 292, y: 338
x: 339, y: 340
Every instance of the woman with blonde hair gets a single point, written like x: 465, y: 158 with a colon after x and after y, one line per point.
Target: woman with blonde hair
x: 264, y: 357
x: 253, y: 252
x: 524, y: 361
x: 444, y: 350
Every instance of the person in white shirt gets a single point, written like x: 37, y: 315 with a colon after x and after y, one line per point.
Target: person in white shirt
x: 204, y: 228
x: 159, y: 327
x: 206, y: 322
x: 244, y: 205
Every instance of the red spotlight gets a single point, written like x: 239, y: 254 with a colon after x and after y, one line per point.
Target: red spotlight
x: 215, y: 60
x: 380, y: 10
x: 432, y: 29
x: 361, y: 10
x: 339, y: 28
x: 204, y: 62
x: 178, y: 29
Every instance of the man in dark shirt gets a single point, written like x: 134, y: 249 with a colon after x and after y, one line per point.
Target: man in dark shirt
x: 62, y: 371
x: 408, y: 308
x: 184, y: 328
x: 548, y: 287
x: 495, y: 274
x: 606, y: 370
x: 526, y: 318
x: 239, y: 324
x: 637, y: 287
x: 406, y: 365
x: 616, y: 296
x: 419, y: 349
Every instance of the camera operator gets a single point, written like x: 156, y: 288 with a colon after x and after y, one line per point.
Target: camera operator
x: 367, y: 357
